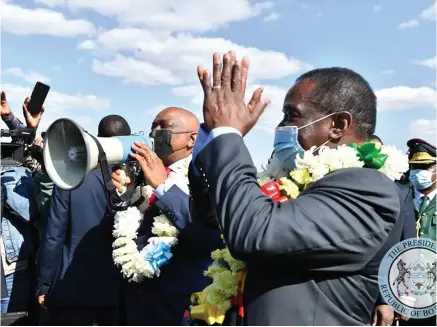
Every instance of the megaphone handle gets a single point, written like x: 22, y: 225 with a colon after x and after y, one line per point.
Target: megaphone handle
x: 103, y: 161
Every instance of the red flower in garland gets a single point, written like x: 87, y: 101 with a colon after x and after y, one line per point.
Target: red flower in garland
x: 272, y: 190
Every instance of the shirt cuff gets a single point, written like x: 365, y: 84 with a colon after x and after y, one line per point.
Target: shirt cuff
x: 203, y: 138
x: 159, y: 191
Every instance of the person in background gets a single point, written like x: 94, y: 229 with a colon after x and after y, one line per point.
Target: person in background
x: 383, y: 314
x: 18, y: 243
x: 422, y: 177
x: 13, y: 122
x: 77, y: 282
x: 422, y: 156
x: 162, y: 300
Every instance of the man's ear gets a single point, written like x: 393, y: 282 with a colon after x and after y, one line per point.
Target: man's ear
x: 192, y: 140
x: 341, y: 123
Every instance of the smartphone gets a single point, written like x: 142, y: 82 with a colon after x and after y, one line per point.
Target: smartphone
x: 39, y: 95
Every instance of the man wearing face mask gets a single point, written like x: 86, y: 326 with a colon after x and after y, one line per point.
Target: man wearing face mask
x: 162, y: 300
x: 422, y: 177
x: 312, y: 260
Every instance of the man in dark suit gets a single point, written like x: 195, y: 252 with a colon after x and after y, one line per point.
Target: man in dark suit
x: 162, y: 300
x: 77, y: 282
x: 313, y: 260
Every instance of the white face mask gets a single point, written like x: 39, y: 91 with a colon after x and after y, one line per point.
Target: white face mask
x: 421, y: 179
x: 287, y: 146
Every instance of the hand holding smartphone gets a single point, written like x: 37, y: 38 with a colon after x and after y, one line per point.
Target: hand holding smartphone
x: 39, y: 95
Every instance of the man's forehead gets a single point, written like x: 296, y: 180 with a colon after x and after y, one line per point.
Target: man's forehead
x: 168, y: 115
x: 300, y: 91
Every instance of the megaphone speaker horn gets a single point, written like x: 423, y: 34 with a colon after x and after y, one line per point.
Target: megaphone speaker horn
x: 70, y: 153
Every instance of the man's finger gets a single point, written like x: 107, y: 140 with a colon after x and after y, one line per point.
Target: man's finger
x: 3, y: 96
x: 226, y: 72
x: 118, y: 186
x: 259, y: 108
x: 256, y: 98
x: 204, y: 80
x: 216, y: 70
x: 236, y: 78
x: 116, y: 176
x: 374, y: 319
x: 244, y: 72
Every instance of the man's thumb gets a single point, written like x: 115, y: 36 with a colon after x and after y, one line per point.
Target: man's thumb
x: 375, y: 319
x: 260, y: 107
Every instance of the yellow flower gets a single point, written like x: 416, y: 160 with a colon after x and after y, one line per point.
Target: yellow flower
x: 234, y: 265
x: 213, y: 271
x: 226, y: 283
x: 289, y: 187
x: 218, y: 254
x: 301, y: 176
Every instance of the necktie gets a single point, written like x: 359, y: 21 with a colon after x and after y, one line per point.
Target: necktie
x: 423, y: 206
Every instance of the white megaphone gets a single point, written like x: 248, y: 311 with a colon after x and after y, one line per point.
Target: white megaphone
x: 70, y: 153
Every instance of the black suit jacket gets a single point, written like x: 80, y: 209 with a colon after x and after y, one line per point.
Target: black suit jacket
x: 313, y: 260
x: 162, y: 300
x: 75, y: 259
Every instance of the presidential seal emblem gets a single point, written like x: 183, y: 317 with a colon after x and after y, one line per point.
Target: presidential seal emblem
x: 407, y: 278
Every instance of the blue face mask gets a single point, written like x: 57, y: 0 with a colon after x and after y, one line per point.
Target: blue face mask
x: 287, y: 146
x: 421, y: 179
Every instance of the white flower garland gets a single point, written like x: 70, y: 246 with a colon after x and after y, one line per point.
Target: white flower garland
x: 137, y: 265
x: 328, y: 160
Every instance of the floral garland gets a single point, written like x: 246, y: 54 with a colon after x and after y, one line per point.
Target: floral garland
x: 227, y: 273
x: 137, y: 265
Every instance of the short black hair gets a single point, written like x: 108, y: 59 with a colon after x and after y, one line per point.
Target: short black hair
x: 341, y: 89
x: 376, y: 138
x: 113, y: 125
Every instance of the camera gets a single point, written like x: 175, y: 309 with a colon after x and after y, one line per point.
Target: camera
x: 13, y: 153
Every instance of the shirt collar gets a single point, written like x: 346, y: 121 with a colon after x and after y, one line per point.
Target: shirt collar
x: 180, y: 163
x: 418, y: 195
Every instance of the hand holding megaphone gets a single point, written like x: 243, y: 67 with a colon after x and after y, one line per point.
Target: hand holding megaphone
x: 152, y: 167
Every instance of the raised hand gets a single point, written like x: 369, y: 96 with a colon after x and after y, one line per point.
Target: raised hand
x: 223, y: 104
x: 32, y: 120
x: 5, y: 109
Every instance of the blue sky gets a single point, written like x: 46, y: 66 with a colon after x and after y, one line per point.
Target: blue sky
x: 135, y: 57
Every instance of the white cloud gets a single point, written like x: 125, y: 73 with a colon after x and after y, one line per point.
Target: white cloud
x: 134, y: 71
x: 430, y: 62
x: 272, y: 17
x: 56, y: 102
x: 429, y: 13
x: 30, y: 77
x: 87, y: 45
x: 52, y: 3
x: 158, y: 57
x: 423, y: 129
x: 404, y: 97
x: 377, y: 8
x: 409, y: 24
x: 388, y: 72
x: 22, y: 21
x: 187, y: 15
